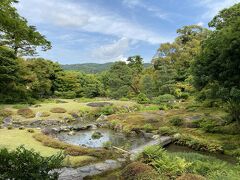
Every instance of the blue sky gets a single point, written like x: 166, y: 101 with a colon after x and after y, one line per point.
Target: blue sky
x: 99, y: 31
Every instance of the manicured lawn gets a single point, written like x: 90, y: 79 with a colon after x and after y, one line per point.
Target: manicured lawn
x: 15, y: 137
x: 70, y: 106
x: 11, y: 139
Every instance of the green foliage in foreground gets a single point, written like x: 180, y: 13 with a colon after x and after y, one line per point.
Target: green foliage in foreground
x: 27, y: 164
x: 172, y: 165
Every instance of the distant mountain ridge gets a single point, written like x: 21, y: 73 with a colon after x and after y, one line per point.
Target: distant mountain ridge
x: 92, y: 68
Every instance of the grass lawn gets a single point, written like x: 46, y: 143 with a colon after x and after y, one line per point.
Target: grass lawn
x: 70, y: 106
x: 15, y: 137
x: 11, y: 139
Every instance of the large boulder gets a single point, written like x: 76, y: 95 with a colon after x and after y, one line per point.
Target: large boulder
x: 7, y: 120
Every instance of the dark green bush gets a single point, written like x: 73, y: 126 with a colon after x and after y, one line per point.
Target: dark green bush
x: 176, y: 121
x: 66, y: 95
x: 166, y: 98
x: 27, y: 164
x: 107, y: 110
x: 165, y: 130
x: 148, y: 127
x: 142, y: 98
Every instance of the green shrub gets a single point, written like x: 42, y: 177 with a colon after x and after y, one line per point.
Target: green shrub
x: 21, y: 128
x: 107, y: 110
x: 210, y: 167
x: 166, y: 98
x: 58, y: 110
x: 167, y: 130
x: 26, y: 112
x: 124, y: 99
x: 96, y: 135
x: 150, y: 108
x: 137, y: 171
x: 148, y: 127
x: 10, y: 127
x: 30, y: 130
x: 27, y: 164
x: 65, y: 95
x: 163, y: 107
x: 176, y: 121
x: 142, y: 98
x: 184, y: 95
x: 164, y: 163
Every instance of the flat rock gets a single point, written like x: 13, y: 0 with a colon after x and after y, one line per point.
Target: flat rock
x: 99, y: 104
x: 89, y: 170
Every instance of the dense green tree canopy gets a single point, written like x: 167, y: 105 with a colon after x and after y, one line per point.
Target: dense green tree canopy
x: 16, y: 33
x: 218, y: 65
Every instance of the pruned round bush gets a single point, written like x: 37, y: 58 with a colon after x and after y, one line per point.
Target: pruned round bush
x: 176, y: 121
x: 26, y: 112
x: 10, y: 127
x: 30, y: 130
x: 5, y: 112
x: 137, y: 171
x: 191, y: 177
x: 96, y: 135
x: 142, y: 98
x: 58, y: 110
x: 163, y: 99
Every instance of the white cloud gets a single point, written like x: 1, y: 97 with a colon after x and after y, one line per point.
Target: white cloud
x: 200, y: 23
x: 214, y: 6
x: 112, y: 52
x: 152, y: 9
x: 85, y: 17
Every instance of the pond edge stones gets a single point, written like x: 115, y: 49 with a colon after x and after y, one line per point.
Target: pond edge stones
x: 89, y: 170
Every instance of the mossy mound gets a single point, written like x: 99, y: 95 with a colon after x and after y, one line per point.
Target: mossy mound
x: 26, y: 113
x: 58, y: 110
x: 139, y: 171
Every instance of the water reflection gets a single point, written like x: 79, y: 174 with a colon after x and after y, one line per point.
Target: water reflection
x: 117, y: 139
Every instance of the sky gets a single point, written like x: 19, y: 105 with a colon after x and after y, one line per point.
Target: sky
x: 100, y: 31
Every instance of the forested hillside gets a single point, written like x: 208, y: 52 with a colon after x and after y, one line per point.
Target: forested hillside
x: 92, y: 68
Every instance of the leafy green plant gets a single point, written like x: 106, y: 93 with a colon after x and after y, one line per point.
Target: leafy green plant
x: 165, y: 130
x: 142, y: 98
x: 28, y: 164
x: 163, y: 163
x: 30, y: 130
x: 148, y: 127
x: 166, y: 98
x: 176, y: 121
